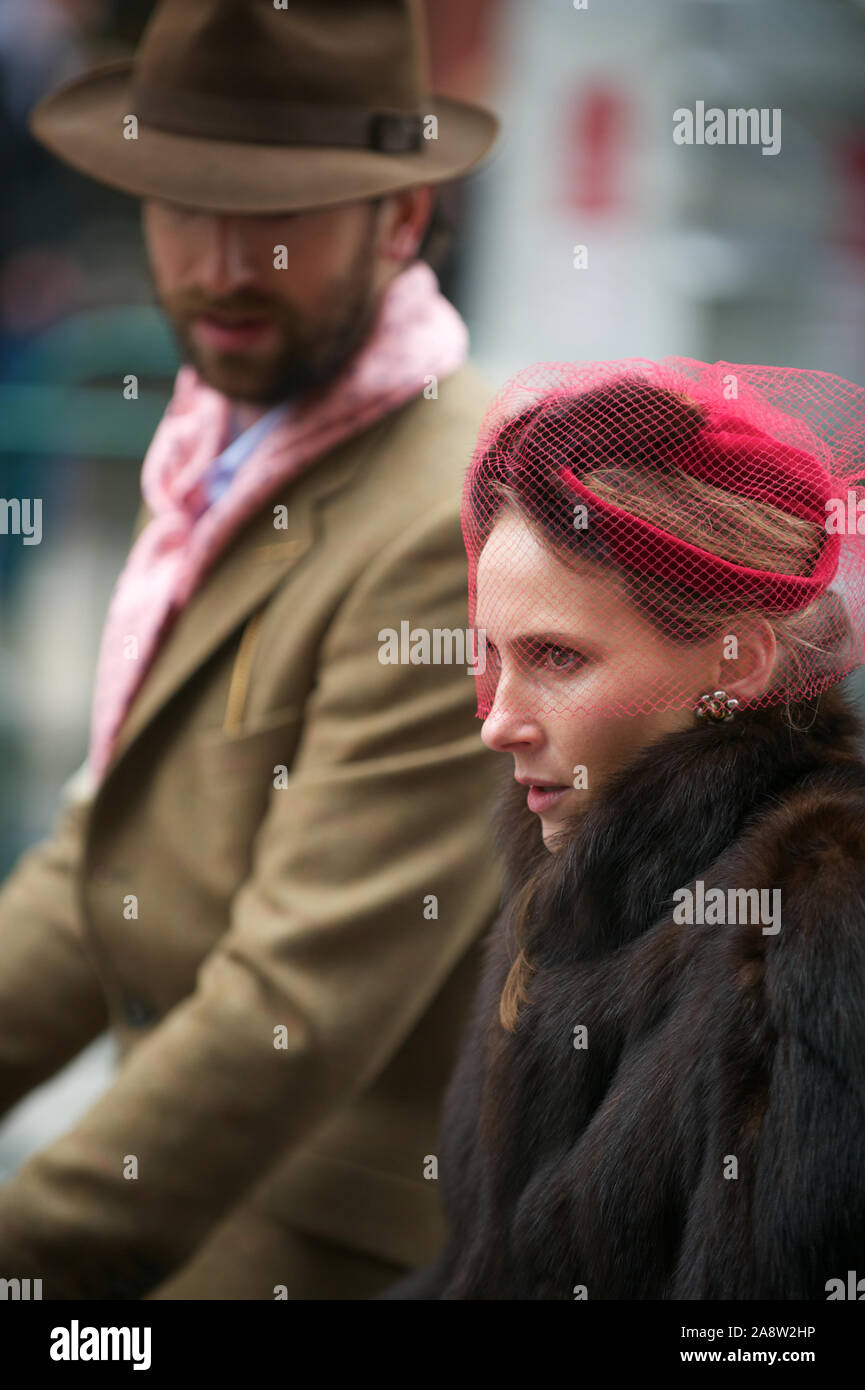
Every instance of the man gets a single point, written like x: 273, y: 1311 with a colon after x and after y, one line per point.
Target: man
x: 265, y: 876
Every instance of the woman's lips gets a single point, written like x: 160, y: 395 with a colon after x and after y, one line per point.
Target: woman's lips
x: 234, y: 335
x: 540, y: 799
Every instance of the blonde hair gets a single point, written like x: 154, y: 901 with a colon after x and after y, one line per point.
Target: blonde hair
x: 745, y: 532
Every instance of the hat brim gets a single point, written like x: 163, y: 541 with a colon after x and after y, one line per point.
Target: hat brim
x: 82, y: 122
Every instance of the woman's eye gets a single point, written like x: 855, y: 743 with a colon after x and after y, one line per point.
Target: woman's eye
x: 538, y: 656
x: 550, y: 656
x: 561, y: 658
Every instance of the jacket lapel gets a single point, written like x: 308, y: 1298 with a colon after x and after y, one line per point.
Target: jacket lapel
x: 256, y: 560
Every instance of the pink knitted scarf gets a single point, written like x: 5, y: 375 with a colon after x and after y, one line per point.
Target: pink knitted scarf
x: 417, y: 334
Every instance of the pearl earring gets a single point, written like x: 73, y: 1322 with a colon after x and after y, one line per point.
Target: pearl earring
x: 716, y: 708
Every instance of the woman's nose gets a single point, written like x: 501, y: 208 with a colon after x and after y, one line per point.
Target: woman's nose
x: 508, y: 724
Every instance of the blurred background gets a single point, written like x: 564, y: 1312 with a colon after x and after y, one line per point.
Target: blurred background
x: 715, y: 252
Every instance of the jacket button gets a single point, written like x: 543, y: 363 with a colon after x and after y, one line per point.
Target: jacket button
x: 138, y: 1013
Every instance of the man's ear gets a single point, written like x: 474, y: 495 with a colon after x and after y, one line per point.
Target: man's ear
x: 748, y: 655
x: 404, y: 220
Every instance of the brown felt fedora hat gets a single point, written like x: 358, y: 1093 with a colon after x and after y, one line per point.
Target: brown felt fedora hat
x: 265, y: 106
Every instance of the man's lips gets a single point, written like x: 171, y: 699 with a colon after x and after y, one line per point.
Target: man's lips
x: 232, y: 334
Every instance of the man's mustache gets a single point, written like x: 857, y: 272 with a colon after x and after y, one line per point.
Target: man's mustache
x: 188, y: 306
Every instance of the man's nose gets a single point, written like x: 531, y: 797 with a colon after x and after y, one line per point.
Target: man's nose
x: 227, y: 262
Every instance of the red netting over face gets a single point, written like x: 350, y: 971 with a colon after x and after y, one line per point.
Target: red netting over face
x: 640, y: 533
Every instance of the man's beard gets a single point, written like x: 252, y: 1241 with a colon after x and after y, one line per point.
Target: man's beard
x: 312, y: 349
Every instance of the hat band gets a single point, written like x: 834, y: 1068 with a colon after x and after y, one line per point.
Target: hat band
x: 276, y: 122
x: 630, y: 537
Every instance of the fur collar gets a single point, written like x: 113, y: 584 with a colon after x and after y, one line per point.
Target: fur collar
x: 666, y: 816
x: 603, y: 1167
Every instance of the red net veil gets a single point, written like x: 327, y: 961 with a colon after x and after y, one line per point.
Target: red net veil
x: 619, y: 516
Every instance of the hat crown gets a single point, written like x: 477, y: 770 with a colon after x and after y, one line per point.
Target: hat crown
x: 338, y: 53
x: 267, y: 106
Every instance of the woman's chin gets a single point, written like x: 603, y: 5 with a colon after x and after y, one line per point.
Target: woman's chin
x: 552, y: 829
x: 558, y: 827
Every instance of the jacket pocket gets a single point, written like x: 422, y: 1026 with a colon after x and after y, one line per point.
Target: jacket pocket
x: 258, y: 746
x: 233, y: 776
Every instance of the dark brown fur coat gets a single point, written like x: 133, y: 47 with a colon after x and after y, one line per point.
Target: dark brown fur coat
x: 609, y: 1167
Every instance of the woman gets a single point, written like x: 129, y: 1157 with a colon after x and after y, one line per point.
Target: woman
x: 661, y: 1093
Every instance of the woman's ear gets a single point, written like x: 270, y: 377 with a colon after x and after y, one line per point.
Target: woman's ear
x: 744, y: 668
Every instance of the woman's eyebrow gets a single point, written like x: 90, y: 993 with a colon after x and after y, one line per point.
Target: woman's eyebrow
x: 564, y: 639
x: 552, y: 636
